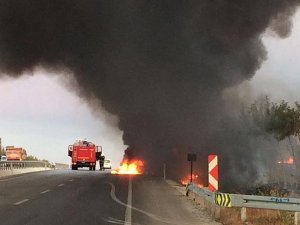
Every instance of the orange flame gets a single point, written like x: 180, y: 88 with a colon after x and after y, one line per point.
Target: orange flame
x: 289, y: 161
x: 130, y: 167
x: 184, y: 181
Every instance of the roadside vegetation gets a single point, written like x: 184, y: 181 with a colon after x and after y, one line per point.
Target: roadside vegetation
x: 34, y: 158
x: 281, y: 121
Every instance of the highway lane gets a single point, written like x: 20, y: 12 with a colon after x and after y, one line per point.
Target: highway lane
x: 91, y: 197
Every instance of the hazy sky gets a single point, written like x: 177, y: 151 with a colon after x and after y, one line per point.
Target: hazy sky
x: 39, y: 114
x: 279, y: 75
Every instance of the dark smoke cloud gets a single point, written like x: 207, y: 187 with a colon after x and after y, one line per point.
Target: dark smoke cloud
x: 161, y: 66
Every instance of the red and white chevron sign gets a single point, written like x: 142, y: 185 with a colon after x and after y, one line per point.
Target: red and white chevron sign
x: 213, y: 173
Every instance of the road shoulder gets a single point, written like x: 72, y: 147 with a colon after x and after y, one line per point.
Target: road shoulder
x: 191, y: 204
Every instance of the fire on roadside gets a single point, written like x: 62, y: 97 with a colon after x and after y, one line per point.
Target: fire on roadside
x: 290, y: 160
x: 130, y: 167
x: 186, y: 179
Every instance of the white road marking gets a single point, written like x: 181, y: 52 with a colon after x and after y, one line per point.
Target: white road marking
x: 128, y: 211
x: 60, y: 185
x: 46, y: 191
x: 114, y: 221
x: 117, y: 221
x: 153, y: 216
x: 71, y: 180
x: 22, y: 201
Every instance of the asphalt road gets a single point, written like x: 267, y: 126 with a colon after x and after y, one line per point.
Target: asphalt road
x: 80, y: 197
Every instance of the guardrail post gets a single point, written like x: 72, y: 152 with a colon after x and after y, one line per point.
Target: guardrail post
x: 297, y: 218
x: 243, y: 214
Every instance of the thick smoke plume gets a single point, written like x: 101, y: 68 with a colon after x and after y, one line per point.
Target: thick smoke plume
x: 160, y: 66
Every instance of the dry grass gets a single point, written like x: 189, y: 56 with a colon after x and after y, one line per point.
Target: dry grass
x: 267, y: 216
x: 231, y: 216
x: 260, y: 216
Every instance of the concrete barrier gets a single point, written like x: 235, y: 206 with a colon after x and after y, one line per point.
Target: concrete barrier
x: 4, y: 173
x: 9, y: 168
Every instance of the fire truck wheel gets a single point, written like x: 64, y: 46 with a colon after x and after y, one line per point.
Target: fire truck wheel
x: 90, y: 168
x: 74, y: 167
x: 94, y: 167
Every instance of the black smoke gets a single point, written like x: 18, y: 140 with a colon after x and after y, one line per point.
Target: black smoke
x: 160, y: 66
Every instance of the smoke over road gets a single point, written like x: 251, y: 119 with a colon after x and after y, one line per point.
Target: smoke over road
x: 160, y: 66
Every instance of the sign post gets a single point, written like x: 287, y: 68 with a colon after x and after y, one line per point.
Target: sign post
x: 191, y: 157
x: 213, y: 173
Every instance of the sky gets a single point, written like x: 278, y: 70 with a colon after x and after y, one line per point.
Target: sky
x: 279, y: 76
x: 42, y: 116
x: 38, y: 113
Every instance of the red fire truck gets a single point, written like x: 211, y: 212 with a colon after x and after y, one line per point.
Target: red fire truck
x: 84, y: 154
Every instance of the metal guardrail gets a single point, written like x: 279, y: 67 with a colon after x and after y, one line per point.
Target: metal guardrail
x: 247, y: 201
x: 266, y: 202
x: 208, y: 195
x: 13, y: 165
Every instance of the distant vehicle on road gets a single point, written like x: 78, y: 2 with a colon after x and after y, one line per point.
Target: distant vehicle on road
x: 15, y: 153
x: 84, y: 154
x: 107, y: 164
x: 3, y: 160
